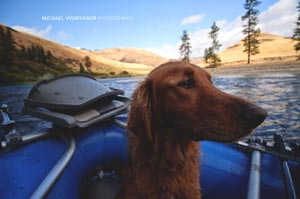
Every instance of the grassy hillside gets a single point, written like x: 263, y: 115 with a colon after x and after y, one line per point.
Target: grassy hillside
x: 29, y: 58
x: 131, y: 55
x: 74, y: 56
x: 19, y: 63
x: 65, y: 60
x: 272, y: 48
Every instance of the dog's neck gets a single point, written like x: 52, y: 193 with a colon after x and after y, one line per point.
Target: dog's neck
x: 168, y: 149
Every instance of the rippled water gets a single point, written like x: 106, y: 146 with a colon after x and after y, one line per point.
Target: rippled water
x: 279, y: 94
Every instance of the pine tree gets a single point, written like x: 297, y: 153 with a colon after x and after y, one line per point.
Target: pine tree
x: 208, y: 54
x: 211, y: 52
x: 2, y: 39
x: 81, y: 68
x: 23, y: 52
x: 33, y: 52
x: 49, y: 58
x: 49, y: 55
x: 213, y: 34
x: 251, y: 43
x: 7, y: 47
x: 29, y: 53
x: 44, y: 57
x: 185, y: 47
x: 88, y: 63
x: 296, y: 35
x: 41, y: 55
x: 38, y: 53
x: 10, y: 47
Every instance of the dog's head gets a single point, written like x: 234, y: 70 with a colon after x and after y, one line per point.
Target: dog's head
x: 181, y: 97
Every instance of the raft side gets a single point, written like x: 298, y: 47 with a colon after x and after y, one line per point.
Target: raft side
x: 224, y: 168
x: 224, y: 173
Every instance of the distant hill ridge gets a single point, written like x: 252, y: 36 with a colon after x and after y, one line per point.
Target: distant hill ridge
x: 272, y: 47
x: 113, y: 62
x: 131, y: 62
x: 131, y: 55
x: 99, y: 63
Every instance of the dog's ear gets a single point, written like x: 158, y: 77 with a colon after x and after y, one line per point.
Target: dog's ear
x: 141, y: 112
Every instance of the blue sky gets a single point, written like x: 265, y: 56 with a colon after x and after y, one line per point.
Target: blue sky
x: 154, y: 25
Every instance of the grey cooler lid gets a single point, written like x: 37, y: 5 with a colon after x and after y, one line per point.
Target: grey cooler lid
x: 73, y: 91
x: 75, y: 100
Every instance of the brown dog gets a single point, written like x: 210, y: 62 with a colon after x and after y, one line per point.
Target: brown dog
x: 173, y: 108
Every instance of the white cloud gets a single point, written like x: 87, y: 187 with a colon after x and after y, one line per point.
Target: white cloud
x: 277, y: 19
x: 166, y: 51
x: 229, y: 34
x: 192, y: 19
x: 62, y: 35
x: 199, y: 39
x: 33, y: 31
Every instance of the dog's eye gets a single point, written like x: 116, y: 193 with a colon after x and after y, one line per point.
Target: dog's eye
x: 190, y: 83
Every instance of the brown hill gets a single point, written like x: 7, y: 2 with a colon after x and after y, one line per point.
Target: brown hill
x: 73, y: 57
x: 272, y: 47
x: 131, y: 55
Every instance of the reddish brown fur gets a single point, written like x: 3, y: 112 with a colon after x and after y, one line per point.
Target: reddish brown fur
x: 173, y: 108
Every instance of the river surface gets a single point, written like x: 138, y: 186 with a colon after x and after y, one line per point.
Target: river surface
x: 278, y: 94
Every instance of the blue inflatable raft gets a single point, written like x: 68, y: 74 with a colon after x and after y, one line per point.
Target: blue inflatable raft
x: 87, y: 146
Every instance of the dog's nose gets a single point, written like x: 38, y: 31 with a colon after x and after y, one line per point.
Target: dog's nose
x: 255, y: 115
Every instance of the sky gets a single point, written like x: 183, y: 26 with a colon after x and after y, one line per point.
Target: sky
x: 153, y: 25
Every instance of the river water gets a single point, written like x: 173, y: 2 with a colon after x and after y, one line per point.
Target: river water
x: 278, y: 94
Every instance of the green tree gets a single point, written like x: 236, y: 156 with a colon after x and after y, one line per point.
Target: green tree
x: 210, y: 54
x: 296, y: 35
x: 251, y: 43
x: 185, y: 47
x: 207, y: 54
x: 10, y: 47
x: 23, y: 52
x: 29, y: 53
x: 81, y: 68
x: 7, y: 47
x: 213, y: 34
x: 2, y: 40
x: 32, y: 52
x: 41, y: 55
x: 49, y: 58
x: 49, y: 54
x: 88, y: 63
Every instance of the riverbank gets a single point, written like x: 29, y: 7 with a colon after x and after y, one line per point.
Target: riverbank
x: 292, y: 67
x: 123, y: 74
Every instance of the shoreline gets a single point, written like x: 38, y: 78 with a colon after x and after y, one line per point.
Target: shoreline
x: 291, y: 67
x: 254, y: 69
